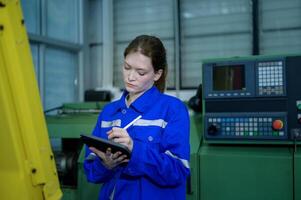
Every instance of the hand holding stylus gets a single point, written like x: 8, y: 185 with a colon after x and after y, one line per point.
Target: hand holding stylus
x: 121, y: 136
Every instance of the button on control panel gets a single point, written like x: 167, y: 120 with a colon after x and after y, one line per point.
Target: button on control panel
x: 277, y: 124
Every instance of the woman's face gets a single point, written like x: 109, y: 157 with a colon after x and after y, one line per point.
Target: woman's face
x: 138, y: 73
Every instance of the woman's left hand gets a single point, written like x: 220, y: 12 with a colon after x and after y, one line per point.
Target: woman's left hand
x: 120, y: 136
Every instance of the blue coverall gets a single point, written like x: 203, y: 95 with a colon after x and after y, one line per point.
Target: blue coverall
x: 159, y: 163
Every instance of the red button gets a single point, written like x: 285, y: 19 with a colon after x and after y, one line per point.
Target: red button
x: 277, y: 124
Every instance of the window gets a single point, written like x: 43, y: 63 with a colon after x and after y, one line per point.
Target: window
x: 32, y: 14
x: 62, y: 20
x: 54, y: 28
x: 61, y: 80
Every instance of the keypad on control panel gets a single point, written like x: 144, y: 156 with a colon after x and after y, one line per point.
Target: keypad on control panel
x: 246, y: 126
x: 270, y: 78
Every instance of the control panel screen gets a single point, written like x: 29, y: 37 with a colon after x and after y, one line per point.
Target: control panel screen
x: 227, y: 78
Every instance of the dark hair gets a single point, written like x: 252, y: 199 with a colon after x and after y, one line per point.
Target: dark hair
x: 153, y: 48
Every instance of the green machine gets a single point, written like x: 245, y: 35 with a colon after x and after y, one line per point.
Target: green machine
x: 192, y: 191
x: 252, y: 129
x: 64, y: 130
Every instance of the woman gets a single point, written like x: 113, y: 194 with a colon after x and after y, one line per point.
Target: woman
x: 158, y: 141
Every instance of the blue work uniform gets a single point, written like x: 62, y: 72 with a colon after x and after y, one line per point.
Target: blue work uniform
x: 159, y: 163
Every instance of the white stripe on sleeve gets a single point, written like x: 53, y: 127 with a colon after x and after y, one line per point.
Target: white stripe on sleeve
x: 184, y: 162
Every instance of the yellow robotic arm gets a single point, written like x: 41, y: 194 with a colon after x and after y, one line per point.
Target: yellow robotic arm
x: 27, y: 166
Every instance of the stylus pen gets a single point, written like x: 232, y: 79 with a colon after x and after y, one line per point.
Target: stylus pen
x: 132, y: 122
x: 92, y: 155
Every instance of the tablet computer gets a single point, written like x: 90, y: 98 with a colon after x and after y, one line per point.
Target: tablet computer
x: 103, y: 144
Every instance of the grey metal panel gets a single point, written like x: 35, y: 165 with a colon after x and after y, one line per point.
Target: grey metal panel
x: 135, y: 17
x: 212, y: 29
x: 280, y: 26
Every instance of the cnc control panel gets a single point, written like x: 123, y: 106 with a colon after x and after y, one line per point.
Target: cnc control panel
x: 253, y: 98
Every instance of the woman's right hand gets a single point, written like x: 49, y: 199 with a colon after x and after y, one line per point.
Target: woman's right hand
x: 110, y: 160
